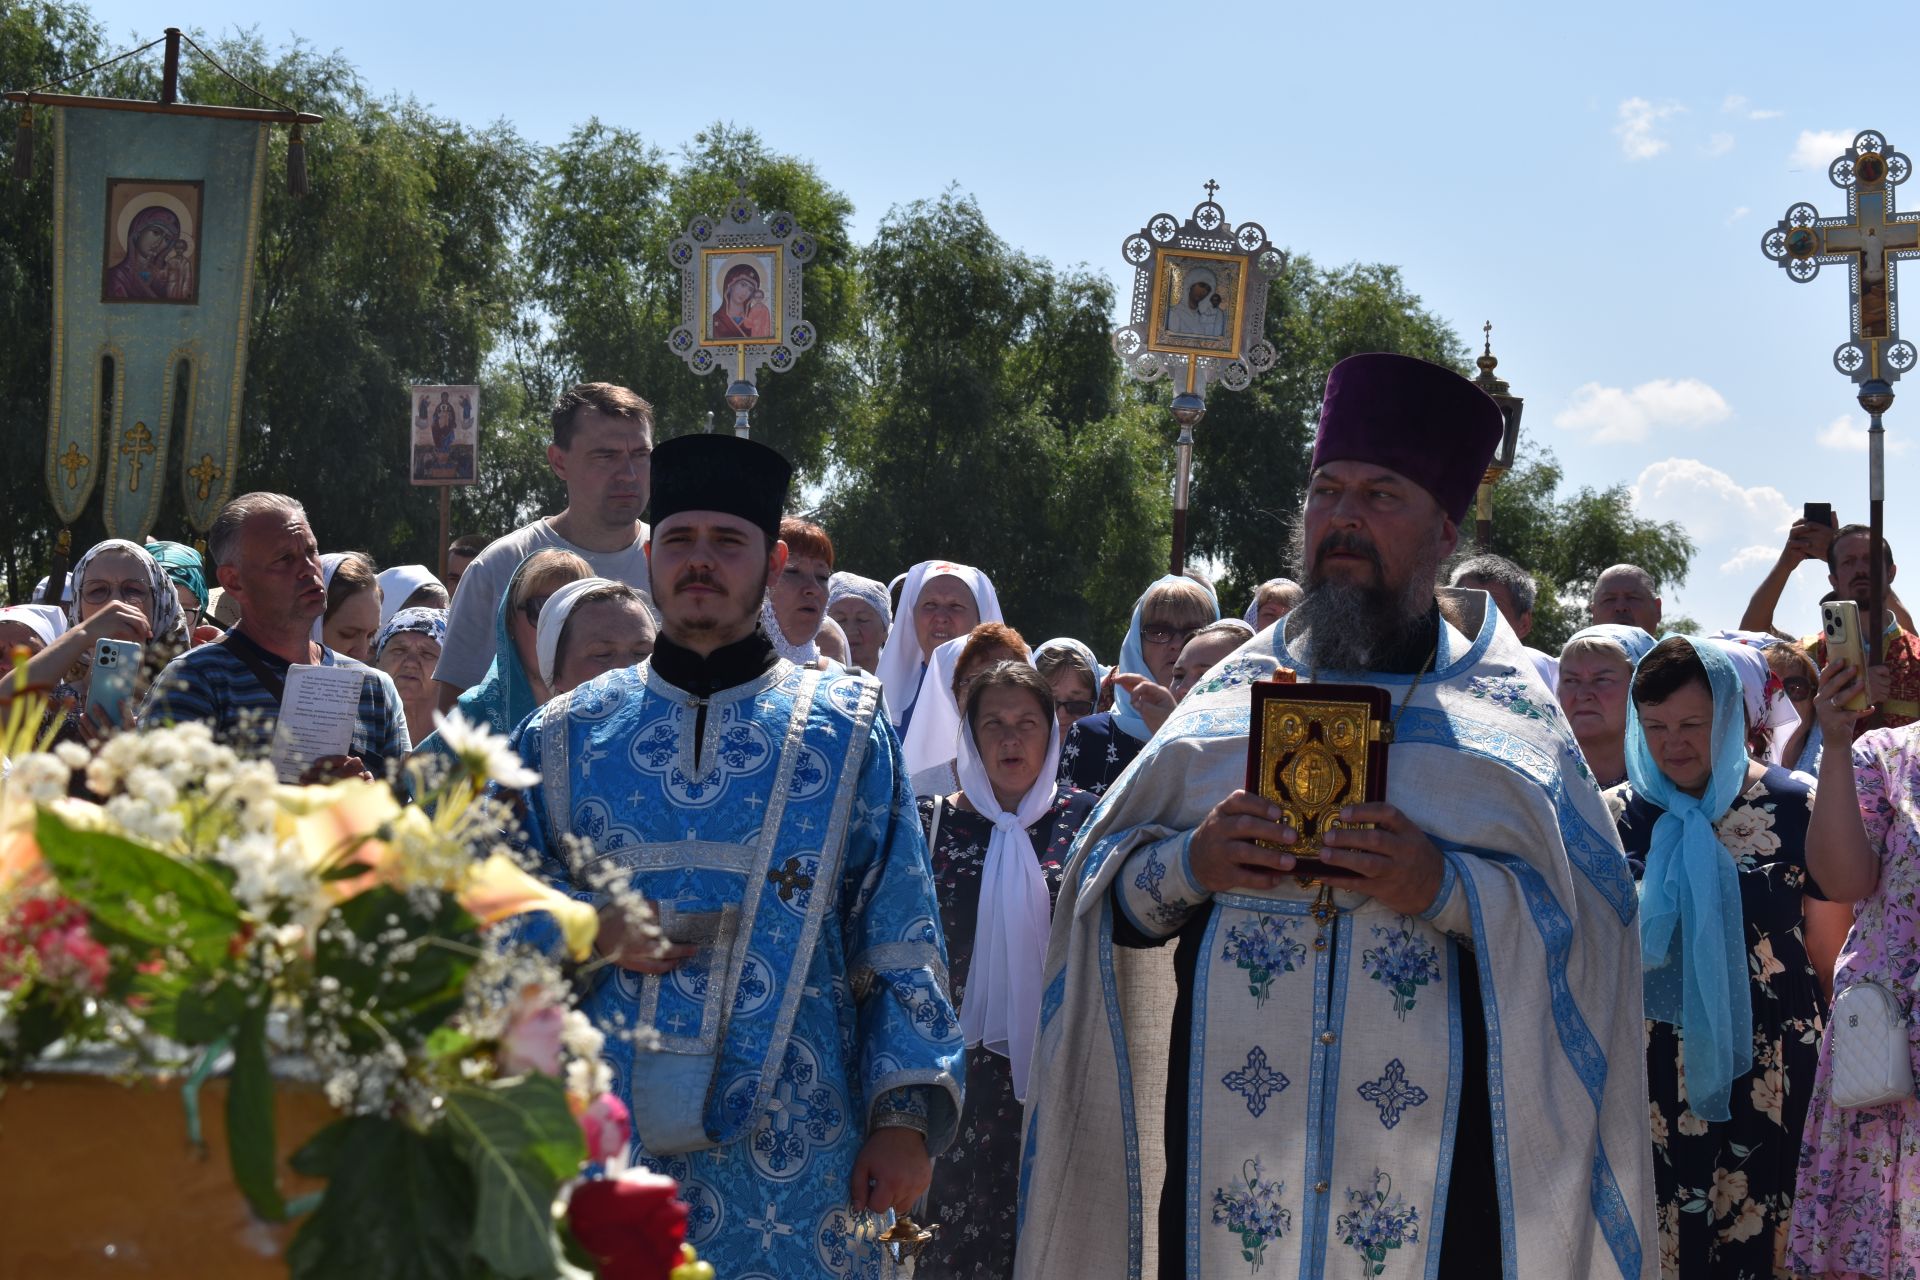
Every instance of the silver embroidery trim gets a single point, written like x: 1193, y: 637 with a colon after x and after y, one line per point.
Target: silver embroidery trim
x: 557, y: 767
x: 707, y: 855
x: 900, y: 955
x: 944, y: 1081
x: 832, y: 850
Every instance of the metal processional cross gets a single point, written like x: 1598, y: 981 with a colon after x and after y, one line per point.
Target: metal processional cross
x: 1870, y: 240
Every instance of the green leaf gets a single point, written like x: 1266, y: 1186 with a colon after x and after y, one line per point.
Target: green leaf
x: 250, y: 1135
x: 412, y: 997
x: 521, y: 1141
x: 118, y: 882
x: 397, y: 1207
x: 445, y: 1042
x: 204, y: 1014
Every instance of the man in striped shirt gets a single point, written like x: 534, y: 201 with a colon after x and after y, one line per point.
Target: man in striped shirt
x: 264, y: 552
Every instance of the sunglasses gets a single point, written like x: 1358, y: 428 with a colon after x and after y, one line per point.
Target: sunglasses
x: 1077, y: 708
x: 531, y: 609
x: 1798, y: 688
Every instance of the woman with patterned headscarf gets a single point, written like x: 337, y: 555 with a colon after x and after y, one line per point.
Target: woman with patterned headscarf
x: 407, y: 648
x: 120, y: 592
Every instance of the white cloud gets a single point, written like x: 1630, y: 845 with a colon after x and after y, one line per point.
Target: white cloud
x: 1636, y: 129
x: 1617, y: 415
x: 1719, y: 144
x: 1738, y: 214
x: 1818, y: 148
x: 1848, y: 434
x: 1737, y: 104
x: 1748, y: 560
x: 1711, y: 504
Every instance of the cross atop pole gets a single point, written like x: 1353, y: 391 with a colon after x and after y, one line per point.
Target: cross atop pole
x: 1870, y: 240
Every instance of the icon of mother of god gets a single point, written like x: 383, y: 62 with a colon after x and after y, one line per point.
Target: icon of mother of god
x: 1197, y: 311
x: 158, y: 263
x: 743, y: 309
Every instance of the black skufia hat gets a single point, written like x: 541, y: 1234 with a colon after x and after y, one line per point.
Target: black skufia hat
x: 722, y: 473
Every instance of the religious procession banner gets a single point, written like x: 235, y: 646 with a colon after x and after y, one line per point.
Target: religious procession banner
x: 445, y: 435
x: 156, y: 217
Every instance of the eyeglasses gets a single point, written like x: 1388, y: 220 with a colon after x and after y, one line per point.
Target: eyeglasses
x: 1078, y: 708
x: 1158, y: 634
x: 1798, y: 688
x: 132, y: 592
x: 532, y: 606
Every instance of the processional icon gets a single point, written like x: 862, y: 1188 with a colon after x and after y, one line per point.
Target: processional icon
x: 1870, y: 240
x: 1198, y: 316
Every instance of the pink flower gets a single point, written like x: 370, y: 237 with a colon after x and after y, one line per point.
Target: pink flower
x: 533, y: 1039
x: 72, y: 958
x: 607, y: 1127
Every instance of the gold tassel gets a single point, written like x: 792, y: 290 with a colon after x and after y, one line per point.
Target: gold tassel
x: 297, y: 163
x: 23, y: 147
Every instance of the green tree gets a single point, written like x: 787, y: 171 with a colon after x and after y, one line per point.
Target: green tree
x: 608, y: 207
x: 994, y: 429
x: 1566, y: 540
x: 39, y: 42
x: 1252, y: 450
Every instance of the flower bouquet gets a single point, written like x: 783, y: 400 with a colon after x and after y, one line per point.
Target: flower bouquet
x: 198, y: 916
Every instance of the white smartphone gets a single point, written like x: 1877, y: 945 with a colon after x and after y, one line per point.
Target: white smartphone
x: 1840, y: 622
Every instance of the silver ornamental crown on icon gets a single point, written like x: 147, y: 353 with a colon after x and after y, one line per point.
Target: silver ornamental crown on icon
x: 1199, y: 306
x: 740, y: 291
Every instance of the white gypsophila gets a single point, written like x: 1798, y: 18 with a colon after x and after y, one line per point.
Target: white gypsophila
x: 40, y: 777
x: 145, y: 821
x: 270, y: 873
x: 588, y: 1077
x: 73, y: 755
x: 485, y: 754
x: 580, y: 1037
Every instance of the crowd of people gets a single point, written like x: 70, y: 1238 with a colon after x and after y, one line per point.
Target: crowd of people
x: 1556, y: 1002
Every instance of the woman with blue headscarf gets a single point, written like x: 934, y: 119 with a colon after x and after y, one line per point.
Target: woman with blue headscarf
x: 1718, y: 841
x: 1099, y: 747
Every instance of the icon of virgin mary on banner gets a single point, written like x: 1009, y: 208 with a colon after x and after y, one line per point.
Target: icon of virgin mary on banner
x: 743, y: 311
x: 150, y: 250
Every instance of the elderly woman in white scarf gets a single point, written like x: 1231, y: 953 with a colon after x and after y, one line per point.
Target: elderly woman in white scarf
x: 590, y: 627
x: 997, y: 843
x: 120, y: 592
x: 939, y: 601
x: 864, y: 610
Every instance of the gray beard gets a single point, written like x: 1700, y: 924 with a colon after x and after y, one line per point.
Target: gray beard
x: 1346, y: 626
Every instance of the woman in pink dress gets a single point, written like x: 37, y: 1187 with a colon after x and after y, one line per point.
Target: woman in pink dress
x: 1854, y: 1211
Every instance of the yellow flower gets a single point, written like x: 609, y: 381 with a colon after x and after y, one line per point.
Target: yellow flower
x: 497, y: 889
x: 338, y: 824
x: 1729, y: 1189
x: 1747, y: 1225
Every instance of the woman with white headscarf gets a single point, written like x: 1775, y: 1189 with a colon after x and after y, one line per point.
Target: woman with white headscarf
x: 864, y: 610
x: 409, y: 586
x: 120, y: 592
x: 928, y: 746
x: 938, y: 601
x: 1074, y: 674
x: 997, y: 844
x: 353, y: 615
x: 590, y: 627
x: 1101, y: 746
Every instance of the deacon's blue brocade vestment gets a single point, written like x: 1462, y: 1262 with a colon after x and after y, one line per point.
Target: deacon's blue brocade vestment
x: 776, y: 833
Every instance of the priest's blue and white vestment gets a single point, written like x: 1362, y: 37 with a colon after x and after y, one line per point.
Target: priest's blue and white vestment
x: 772, y: 824
x: 1324, y: 1075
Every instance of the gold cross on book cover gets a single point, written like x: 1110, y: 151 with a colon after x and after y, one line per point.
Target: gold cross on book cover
x: 1315, y: 748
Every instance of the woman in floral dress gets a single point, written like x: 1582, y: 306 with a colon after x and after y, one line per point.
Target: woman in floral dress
x: 1013, y: 739
x: 1858, y: 1213
x: 1726, y: 1186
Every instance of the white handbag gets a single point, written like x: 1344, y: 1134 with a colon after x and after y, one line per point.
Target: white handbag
x: 1872, y: 1064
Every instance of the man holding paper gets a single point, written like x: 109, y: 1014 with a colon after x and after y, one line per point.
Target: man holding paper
x: 1433, y: 1068
x: 266, y: 684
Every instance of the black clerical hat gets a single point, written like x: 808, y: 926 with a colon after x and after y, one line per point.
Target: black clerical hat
x: 723, y: 473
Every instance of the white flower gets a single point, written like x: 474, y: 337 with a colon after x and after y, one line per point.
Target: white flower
x: 484, y: 753
x: 40, y: 777
x: 73, y: 755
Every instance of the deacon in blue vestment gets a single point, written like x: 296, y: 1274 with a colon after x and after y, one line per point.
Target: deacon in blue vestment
x: 799, y: 1058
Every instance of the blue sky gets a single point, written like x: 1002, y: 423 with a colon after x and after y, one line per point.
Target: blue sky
x: 1593, y: 179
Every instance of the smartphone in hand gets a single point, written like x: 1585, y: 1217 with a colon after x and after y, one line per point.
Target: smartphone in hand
x: 116, y: 669
x: 1818, y: 513
x: 1840, y: 623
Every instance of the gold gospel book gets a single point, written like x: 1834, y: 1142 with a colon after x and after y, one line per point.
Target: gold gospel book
x: 1315, y: 748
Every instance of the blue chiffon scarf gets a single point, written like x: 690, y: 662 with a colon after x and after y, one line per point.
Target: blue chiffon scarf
x: 1692, y: 929
x: 1133, y: 660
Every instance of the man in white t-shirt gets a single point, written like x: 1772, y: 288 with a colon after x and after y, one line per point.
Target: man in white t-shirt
x: 602, y: 440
